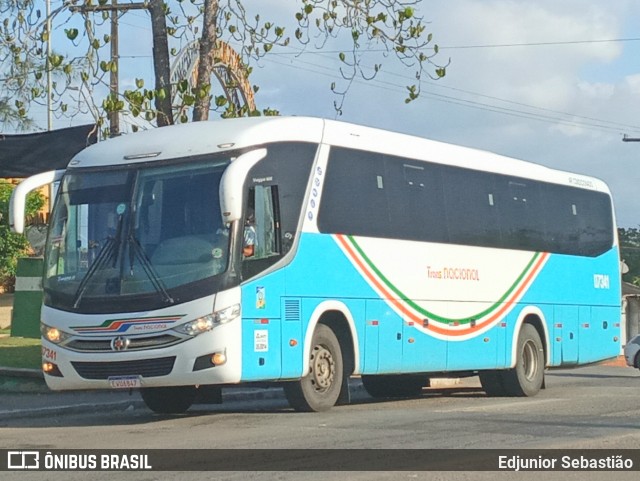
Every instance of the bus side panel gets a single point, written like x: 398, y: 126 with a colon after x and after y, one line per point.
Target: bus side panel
x: 566, y: 321
x: 420, y: 351
x: 585, y: 295
x: 383, y: 338
x: 261, y: 340
x: 486, y: 351
x: 597, y: 331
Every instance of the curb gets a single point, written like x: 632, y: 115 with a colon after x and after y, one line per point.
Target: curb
x: 20, y: 380
x: 614, y: 362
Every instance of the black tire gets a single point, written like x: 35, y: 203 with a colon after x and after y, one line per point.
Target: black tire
x: 169, y: 400
x: 320, y: 388
x: 394, y: 385
x: 527, y: 378
x: 493, y: 383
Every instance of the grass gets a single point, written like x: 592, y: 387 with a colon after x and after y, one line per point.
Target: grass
x: 20, y: 352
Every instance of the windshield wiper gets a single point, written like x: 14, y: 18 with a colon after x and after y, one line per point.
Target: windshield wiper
x: 147, y: 266
x: 108, y: 251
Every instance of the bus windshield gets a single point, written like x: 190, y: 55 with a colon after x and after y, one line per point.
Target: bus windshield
x: 143, y: 233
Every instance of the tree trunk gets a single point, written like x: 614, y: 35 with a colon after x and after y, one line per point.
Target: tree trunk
x: 161, y: 63
x: 207, y: 61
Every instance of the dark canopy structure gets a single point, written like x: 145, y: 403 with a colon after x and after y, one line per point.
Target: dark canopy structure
x: 22, y: 155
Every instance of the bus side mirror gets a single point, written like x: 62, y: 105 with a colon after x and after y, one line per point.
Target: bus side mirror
x: 18, y: 199
x: 232, y: 183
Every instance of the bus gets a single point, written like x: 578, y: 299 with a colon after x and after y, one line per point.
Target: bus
x: 302, y: 251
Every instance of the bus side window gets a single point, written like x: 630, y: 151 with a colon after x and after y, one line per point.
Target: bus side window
x: 261, y: 236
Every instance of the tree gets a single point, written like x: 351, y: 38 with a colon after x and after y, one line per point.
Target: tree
x: 630, y: 253
x: 12, y: 245
x: 356, y: 26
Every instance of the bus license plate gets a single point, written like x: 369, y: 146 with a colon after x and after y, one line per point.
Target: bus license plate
x: 125, y: 382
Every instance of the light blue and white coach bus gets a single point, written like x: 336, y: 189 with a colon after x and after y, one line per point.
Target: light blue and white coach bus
x: 305, y: 251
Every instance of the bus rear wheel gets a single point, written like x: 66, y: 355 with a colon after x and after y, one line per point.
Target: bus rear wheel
x: 170, y: 399
x: 320, y: 388
x: 527, y: 378
x: 394, y: 385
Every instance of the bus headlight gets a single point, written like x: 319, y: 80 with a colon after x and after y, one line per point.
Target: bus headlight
x: 53, y: 334
x: 206, y: 323
x: 225, y: 315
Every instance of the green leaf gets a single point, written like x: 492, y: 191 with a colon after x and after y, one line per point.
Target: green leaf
x: 139, y: 83
x: 72, y: 33
x: 56, y: 60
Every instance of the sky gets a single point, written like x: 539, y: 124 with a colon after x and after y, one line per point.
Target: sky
x: 552, y: 82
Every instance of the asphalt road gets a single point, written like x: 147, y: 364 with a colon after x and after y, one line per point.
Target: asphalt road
x: 585, y: 408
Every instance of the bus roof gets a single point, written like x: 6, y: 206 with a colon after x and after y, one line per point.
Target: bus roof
x: 200, y: 138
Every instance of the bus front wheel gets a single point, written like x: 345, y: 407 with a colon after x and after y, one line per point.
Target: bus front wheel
x: 170, y: 399
x: 320, y: 388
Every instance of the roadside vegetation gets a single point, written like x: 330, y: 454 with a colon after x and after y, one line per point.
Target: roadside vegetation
x: 19, y: 352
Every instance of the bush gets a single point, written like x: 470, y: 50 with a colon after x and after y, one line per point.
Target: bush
x: 12, y: 245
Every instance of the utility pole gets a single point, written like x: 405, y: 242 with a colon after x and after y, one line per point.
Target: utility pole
x: 113, y: 9
x: 114, y: 118
x: 48, y: 66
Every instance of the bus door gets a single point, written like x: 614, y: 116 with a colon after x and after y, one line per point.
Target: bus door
x: 262, y: 294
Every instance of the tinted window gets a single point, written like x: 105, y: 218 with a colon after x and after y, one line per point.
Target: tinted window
x: 354, y: 199
x: 374, y: 195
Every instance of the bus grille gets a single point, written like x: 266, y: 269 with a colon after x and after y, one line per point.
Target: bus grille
x: 144, y: 368
x: 135, y: 343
